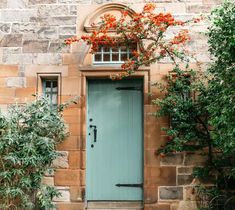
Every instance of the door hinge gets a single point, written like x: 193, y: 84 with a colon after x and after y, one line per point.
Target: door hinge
x: 129, y: 88
x: 130, y: 185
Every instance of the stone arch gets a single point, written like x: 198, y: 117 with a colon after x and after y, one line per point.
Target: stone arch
x: 91, y: 21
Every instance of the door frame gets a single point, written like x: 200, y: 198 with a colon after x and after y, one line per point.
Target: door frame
x: 104, y: 73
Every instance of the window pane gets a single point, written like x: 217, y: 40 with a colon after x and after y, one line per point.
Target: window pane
x: 54, y: 99
x: 115, y: 49
x: 115, y: 57
x: 106, y: 49
x: 106, y: 57
x: 55, y: 86
x: 98, y: 57
x: 123, y: 57
x: 48, y: 86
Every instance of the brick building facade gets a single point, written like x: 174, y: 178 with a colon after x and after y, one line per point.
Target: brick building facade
x: 30, y: 61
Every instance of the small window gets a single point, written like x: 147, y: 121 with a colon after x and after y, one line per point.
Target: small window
x: 50, y: 90
x: 113, y: 54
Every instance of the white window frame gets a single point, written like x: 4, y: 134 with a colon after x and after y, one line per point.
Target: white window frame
x: 102, y: 53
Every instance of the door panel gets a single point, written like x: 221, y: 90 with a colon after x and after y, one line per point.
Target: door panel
x: 117, y: 155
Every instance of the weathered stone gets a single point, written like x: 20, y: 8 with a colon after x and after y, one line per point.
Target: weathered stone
x: 24, y: 58
x: 67, y: 30
x: 62, y: 20
x: 47, y: 33
x: 5, y: 27
x: 190, y: 193
x: 15, y: 4
x: 184, y: 179
x: 49, y: 181
x: 73, y: 10
x: 17, y: 15
x: 15, y: 82
x: 61, y: 161
x: 76, y: 193
x: 171, y: 193
x: 65, y: 194
x: 35, y: 2
x: 195, y: 8
x: 172, y: 159
x: 11, y: 40
x: 52, y: 10
x: 47, y: 58
x: 195, y: 159
x: 187, y: 205
x: 65, y: 177
x: 24, y: 27
x: 35, y: 46
x: 70, y: 1
x: 55, y: 46
x: 185, y: 170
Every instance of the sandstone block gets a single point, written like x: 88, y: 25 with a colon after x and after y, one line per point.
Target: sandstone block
x: 5, y: 27
x: 184, y: 179
x: 195, y: 159
x: 70, y: 206
x: 24, y: 58
x: 70, y: 1
x: 35, y: 2
x: 172, y: 159
x: 71, y: 143
x: 62, y: 20
x: 157, y: 207
x: 17, y: 4
x: 187, y: 205
x: 8, y: 70
x: 171, y: 193
x: 47, y: 33
x: 74, y: 159
x: 17, y: 15
x: 197, y: 8
x: 64, y: 194
x: 35, y: 46
x: 47, y: 58
x: 160, y: 176
x: 52, y: 10
x: 67, y: 30
x: 61, y: 161
x: 24, y: 27
x: 49, y: 181
x: 76, y: 193
x: 185, y: 170
x: 11, y: 40
x: 15, y: 82
x: 65, y: 177
x: 73, y: 10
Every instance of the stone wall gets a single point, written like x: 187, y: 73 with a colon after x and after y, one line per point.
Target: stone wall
x: 31, y: 32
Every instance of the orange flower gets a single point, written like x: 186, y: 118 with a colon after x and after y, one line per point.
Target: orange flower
x: 148, y: 8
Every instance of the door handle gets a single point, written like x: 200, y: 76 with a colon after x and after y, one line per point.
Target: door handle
x: 95, y: 132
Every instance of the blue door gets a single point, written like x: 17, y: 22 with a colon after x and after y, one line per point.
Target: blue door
x: 114, y: 140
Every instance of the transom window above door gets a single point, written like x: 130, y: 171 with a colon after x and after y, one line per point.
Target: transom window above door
x: 113, y: 54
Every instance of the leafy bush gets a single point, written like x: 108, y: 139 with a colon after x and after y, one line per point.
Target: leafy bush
x: 28, y: 138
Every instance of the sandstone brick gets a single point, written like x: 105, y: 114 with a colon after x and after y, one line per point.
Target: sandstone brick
x: 35, y: 2
x: 151, y: 158
x: 196, y: 8
x: 49, y: 181
x: 8, y: 70
x: 83, y: 177
x: 35, y: 46
x: 185, y: 170
x: 52, y: 10
x: 55, y: 46
x: 67, y: 30
x: 27, y: 92
x: 184, y: 179
x: 72, y: 112
x: 74, y: 159
x: 49, y: 32
x: 70, y: 1
x: 5, y: 27
x: 73, y: 9
x: 157, y: 207
x: 62, y: 160
x: 47, y: 58
x: 195, y: 159
x: 64, y: 194
x: 24, y: 27
x: 70, y: 206
x: 24, y: 58
x: 62, y: 20
x: 11, y: 40
x: 31, y: 81
x: 15, y: 82
x: 17, y: 4
x: 171, y: 193
x: 76, y: 194
x: 70, y: 143
x: 83, y: 162
x: 72, y: 119
x: 75, y: 129
x: 151, y: 194
x: 67, y: 177
x: 17, y: 15
x: 187, y: 205
x: 160, y: 175
x: 172, y: 159
x: 7, y: 92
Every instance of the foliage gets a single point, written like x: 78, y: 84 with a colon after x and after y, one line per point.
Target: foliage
x: 28, y: 139
x: 147, y: 29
